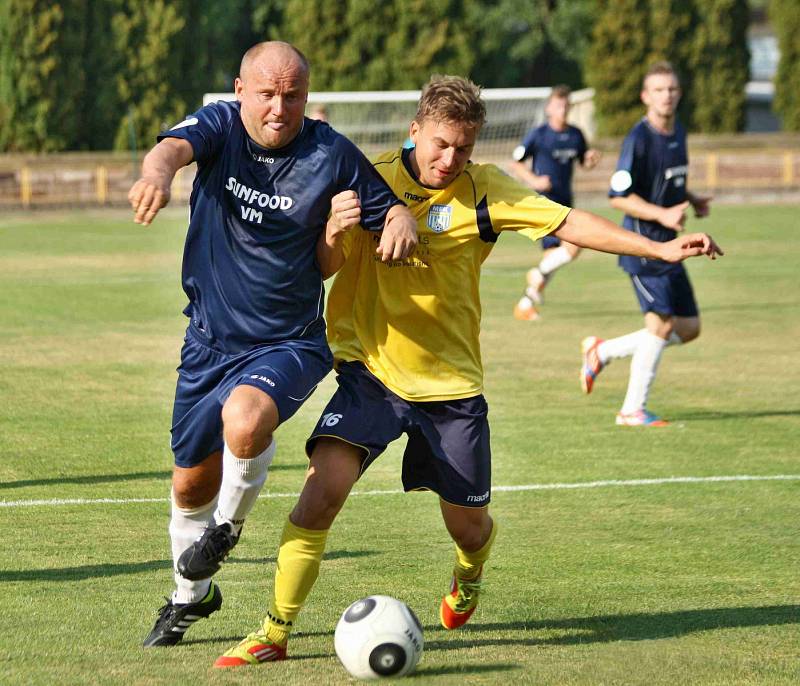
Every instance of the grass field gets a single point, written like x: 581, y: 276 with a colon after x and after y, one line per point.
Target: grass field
x: 667, y: 582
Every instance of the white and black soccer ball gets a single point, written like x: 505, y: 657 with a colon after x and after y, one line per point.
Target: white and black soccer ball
x: 378, y: 637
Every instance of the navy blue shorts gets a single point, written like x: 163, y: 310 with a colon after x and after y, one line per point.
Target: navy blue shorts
x: 550, y: 241
x: 669, y: 294
x: 448, y: 440
x: 287, y: 372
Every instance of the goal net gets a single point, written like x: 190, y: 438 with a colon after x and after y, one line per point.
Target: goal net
x: 378, y: 120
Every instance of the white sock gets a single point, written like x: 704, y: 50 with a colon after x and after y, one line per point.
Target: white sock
x: 644, y: 365
x: 185, y: 527
x: 554, y: 260
x: 241, y: 483
x: 622, y: 346
x: 525, y: 302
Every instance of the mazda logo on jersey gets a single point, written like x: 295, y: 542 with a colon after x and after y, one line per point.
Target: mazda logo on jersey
x: 439, y: 218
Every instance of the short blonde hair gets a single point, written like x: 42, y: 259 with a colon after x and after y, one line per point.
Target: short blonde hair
x: 451, y: 99
x: 661, y: 67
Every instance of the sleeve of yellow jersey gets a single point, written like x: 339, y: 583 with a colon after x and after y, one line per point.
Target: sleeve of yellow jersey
x: 515, y: 207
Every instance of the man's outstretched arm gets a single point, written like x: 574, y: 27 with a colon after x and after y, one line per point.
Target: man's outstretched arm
x: 152, y: 191
x: 590, y: 231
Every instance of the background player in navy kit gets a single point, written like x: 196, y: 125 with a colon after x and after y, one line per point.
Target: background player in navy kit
x: 553, y: 149
x: 650, y: 187
x: 255, y: 347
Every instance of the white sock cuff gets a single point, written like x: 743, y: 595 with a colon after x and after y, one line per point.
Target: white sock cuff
x: 249, y: 467
x: 193, y: 512
x: 554, y: 260
x: 654, y: 340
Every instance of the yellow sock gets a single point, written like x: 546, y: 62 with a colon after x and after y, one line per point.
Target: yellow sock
x: 468, y: 565
x: 298, y: 566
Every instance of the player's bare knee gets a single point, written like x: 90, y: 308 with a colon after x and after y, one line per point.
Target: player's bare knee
x: 689, y: 335
x: 469, y: 538
x: 247, y: 428
x: 317, y: 508
x: 194, y: 493
x: 688, y: 329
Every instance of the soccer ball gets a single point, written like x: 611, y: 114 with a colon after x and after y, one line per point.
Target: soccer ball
x: 378, y: 637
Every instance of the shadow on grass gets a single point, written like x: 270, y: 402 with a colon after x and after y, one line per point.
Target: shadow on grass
x: 90, y: 479
x: 332, y: 555
x: 114, y: 478
x: 631, y: 627
x: 706, y: 415
x: 104, y: 570
x: 467, y: 669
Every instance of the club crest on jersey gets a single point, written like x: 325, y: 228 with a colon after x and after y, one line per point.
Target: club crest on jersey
x: 439, y: 218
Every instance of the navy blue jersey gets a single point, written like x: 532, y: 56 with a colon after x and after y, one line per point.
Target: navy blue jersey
x: 249, y: 265
x: 652, y: 165
x: 553, y: 153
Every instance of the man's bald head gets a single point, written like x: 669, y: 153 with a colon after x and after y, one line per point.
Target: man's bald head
x: 276, y: 54
x: 272, y: 89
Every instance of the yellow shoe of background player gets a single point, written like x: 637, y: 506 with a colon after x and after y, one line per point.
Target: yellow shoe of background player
x: 253, y: 650
x: 458, y: 605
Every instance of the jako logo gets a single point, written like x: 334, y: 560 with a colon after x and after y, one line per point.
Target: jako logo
x: 263, y: 378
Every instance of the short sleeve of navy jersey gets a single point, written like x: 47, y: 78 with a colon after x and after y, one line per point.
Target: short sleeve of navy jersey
x: 352, y: 171
x: 205, y: 130
x: 630, y: 160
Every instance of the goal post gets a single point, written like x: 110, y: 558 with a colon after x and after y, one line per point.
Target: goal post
x: 378, y: 120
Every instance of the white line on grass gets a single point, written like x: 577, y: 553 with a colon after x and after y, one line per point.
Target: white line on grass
x: 495, y: 489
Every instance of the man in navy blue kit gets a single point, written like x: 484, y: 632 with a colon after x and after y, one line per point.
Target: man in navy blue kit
x: 649, y: 185
x: 553, y: 149
x: 255, y: 347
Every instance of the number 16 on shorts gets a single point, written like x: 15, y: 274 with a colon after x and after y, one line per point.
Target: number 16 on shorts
x: 330, y: 419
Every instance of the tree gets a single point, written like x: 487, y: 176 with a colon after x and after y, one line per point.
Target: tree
x: 42, y: 83
x: 616, y: 61
x: 785, y: 21
x: 673, y: 26
x: 720, y: 62
x: 508, y: 37
x: 146, y: 37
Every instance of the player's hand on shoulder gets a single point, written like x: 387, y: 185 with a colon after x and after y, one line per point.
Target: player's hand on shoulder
x: 345, y: 213
x: 399, y: 235
x: 674, y: 217
x: 147, y: 196
x: 690, y: 245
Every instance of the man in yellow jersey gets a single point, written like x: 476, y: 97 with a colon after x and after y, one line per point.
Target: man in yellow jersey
x: 405, y: 338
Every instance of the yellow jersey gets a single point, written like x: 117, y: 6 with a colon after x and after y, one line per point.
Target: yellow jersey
x: 415, y: 323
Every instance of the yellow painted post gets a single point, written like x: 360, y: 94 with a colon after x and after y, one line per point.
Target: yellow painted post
x: 25, y: 192
x: 101, y: 184
x: 788, y: 169
x: 712, y: 170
